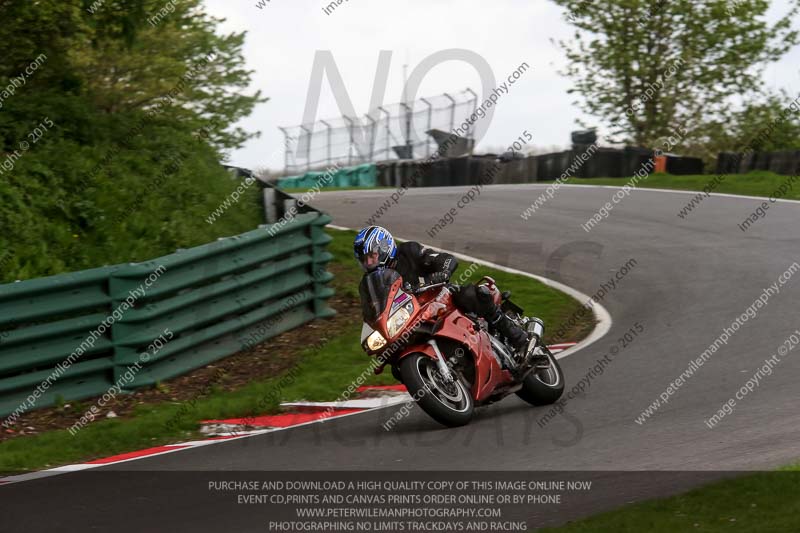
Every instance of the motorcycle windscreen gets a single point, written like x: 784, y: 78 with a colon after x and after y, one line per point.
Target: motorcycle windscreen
x: 374, y: 290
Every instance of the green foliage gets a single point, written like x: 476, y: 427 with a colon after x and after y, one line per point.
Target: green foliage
x: 766, y: 124
x: 153, y: 200
x: 133, y: 119
x: 646, y: 67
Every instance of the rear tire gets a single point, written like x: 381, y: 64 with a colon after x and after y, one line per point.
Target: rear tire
x: 543, y: 386
x: 449, y: 404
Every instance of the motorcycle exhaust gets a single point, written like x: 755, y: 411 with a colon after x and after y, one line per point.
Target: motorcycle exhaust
x: 535, y: 328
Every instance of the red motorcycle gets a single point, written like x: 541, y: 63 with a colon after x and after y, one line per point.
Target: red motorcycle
x: 447, y: 360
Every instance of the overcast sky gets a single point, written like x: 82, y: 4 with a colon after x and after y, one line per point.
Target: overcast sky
x: 283, y: 37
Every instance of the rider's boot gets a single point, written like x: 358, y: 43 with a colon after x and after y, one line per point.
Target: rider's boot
x: 517, y: 337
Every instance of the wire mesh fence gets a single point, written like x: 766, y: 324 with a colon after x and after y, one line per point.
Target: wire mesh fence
x: 392, y: 131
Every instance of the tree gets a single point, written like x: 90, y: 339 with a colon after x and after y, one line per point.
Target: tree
x: 178, y: 66
x: 647, y: 66
x: 116, y: 62
x: 133, y: 120
x: 767, y: 123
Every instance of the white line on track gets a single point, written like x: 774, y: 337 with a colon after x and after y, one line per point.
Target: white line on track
x: 366, y: 403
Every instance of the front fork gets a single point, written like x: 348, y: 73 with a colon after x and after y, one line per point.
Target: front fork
x: 444, y: 369
x: 441, y: 364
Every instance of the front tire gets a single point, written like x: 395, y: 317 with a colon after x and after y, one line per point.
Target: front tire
x: 449, y: 404
x: 543, y: 386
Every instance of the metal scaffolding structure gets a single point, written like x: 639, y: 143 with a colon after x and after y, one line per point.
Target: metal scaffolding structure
x: 390, y: 132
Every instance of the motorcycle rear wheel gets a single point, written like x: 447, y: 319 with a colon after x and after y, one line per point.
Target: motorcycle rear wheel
x: 450, y: 404
x: 543, y: 386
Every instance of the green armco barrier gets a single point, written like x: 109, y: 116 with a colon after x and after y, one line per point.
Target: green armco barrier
x: 360, y: 176
x: 71, y: 336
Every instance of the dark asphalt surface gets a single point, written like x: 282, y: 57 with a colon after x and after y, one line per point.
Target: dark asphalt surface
x: 692, y: 278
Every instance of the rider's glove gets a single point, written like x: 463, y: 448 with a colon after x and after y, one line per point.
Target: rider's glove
x: 437, y: 277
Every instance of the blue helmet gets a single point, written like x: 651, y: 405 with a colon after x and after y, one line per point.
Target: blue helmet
x: 374, y: 247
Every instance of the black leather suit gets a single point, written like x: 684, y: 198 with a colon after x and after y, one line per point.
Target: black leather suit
x: 421, y: 266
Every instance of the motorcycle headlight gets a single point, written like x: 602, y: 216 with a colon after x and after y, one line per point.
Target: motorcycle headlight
x: 375, y: 341
x: 397, y: 321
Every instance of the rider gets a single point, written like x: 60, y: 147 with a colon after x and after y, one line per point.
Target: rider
x: 374, y: 247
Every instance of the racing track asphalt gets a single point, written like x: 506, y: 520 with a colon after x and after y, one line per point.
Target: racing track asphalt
x: 692, y: 278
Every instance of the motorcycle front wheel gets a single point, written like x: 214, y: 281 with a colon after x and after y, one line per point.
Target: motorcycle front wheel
x: 543, y: 386
x: 450, y: 404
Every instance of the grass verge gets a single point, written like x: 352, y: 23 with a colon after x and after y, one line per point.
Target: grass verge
x: 324, y: 369
x: 767, y: 501
x: 753, y: 184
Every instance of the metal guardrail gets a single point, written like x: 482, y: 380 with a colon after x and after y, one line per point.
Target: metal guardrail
x: 216, y: 299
